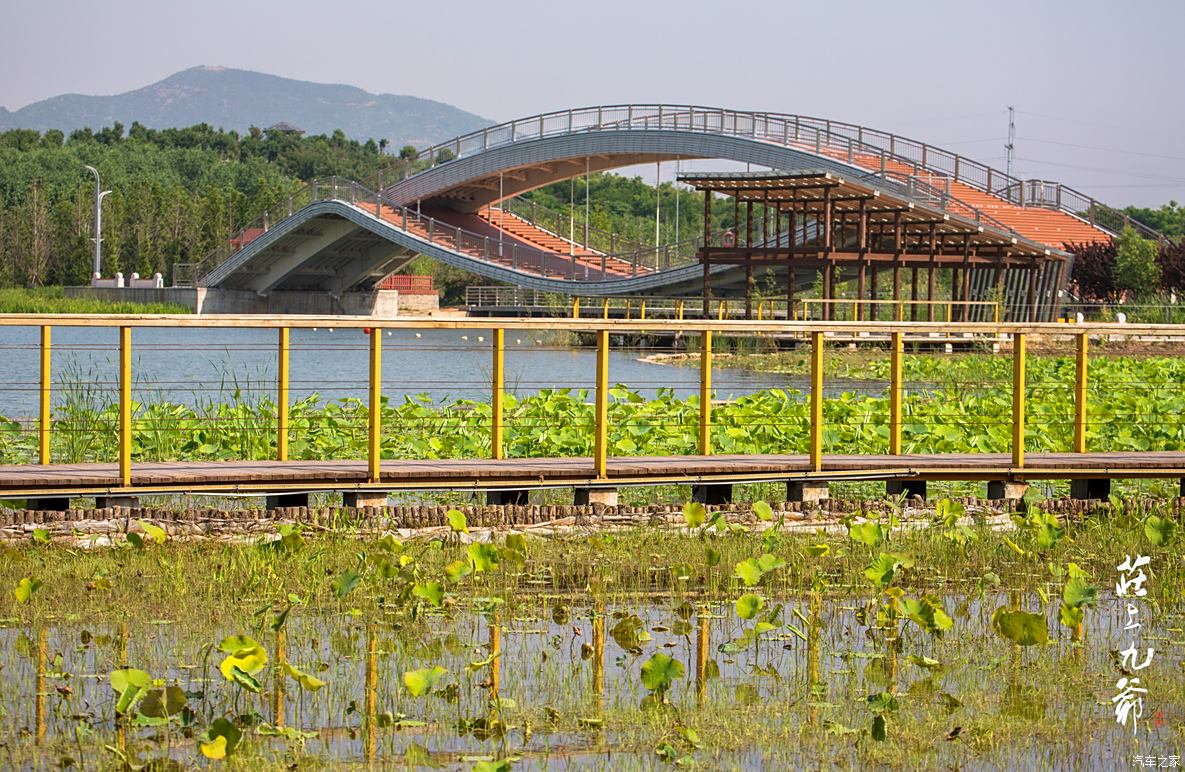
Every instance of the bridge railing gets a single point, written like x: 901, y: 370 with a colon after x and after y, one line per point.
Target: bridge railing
x: 504, y: 301
x: 135, y: 421
x: 845, y: 141
x: 630, y: 262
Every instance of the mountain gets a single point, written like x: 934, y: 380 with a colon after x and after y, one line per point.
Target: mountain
x: 238, y: 99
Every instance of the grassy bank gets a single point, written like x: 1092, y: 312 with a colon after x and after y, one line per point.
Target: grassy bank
x: 52, y: 300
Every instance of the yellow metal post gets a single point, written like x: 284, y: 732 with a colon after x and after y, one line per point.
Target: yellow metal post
x: 498, y: 387
x: 374, y: 424
x: 701, y: 656
x: 601, y: 428
x: 1018, y: 399
x: 679, y: 310
x: 46, y: 424
x: 816, y: 436
x: 628, y: 305
x: 278, y: 680
x: 1080, y: 382
x: 282, y: 398
x: 895, y: 394
x: 605, y: 309
x: 598, y: 668
x: 642, y: 311
x: 125, y: 406
x: 372, y: 688
x: 705, y: 394
x: 575, y: 308
x: 495, y: 652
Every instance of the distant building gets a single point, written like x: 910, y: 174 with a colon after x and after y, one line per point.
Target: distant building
x: 283, y: 127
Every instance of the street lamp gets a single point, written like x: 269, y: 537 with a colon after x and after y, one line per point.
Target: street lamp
x: 98, y: 239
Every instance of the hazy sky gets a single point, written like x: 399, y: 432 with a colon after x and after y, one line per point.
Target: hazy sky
x: 1099, y: 87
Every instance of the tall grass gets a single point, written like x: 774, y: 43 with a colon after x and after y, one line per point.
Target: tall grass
x: 53, y: 300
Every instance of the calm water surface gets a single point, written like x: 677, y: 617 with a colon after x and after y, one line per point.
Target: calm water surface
x: 197, y: 365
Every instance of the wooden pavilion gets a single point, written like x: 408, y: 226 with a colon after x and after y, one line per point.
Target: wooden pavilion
x: 808, y: 224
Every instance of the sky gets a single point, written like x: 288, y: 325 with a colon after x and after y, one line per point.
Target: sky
x: 1097, y: 86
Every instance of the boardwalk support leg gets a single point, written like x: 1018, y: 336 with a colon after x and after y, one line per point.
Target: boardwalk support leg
x: 516, y: 498
x: 1091, y: 488
x: 359, y: 499
x: 588, y: 496
x: 284, y: 500
x: 1009, y: 490
x: 807, y: 491
x: 718, y: 493
x: 50, y: 504
x: 110, y: 502
x: 911, y: 488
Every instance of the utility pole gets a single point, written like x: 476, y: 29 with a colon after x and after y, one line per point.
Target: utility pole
x: 1010, y: 147
x: 98, y: 239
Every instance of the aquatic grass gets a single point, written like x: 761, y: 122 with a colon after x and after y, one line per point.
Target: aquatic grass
x: 836, y: 673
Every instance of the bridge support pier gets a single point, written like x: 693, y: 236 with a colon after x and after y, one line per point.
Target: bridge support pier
x: 360, y: 499
x: 110, y: 502
x: 1091, y: 488
x: 588, y: 496
x: 719, y: 493
x: 284, y: 500
x: 910, y: 488
x: 512, y: 497
x: 1010, y: 490
x: 807, y: 491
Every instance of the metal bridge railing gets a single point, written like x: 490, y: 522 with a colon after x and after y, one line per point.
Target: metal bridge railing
x: 374, y: 329
x: 508, y: 253
x: 838, y: 139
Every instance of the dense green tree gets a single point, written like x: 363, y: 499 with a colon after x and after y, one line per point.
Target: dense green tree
x: 1136, y: 268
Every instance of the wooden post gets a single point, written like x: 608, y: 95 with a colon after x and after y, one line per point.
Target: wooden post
x: 1018, y: 399
x: 374, y: 422
x: 749, y: 260
x: 46, y: 423
x: 896, y: 389
x: 816, y: 433
x: 282, y: 396
x: 873, y: 308
x: 1080, y: 383
x: 497, y: 388
x: 601, y: 419
x: 913, y: 293
x: 931, y: 277
x: 705, y: 394
x: 125, y: 407
x: 707, y: 289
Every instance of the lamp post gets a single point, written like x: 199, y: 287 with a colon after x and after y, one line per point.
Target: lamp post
x: 98, y: 239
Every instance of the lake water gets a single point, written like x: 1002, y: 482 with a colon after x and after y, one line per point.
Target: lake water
x: 195, y: 365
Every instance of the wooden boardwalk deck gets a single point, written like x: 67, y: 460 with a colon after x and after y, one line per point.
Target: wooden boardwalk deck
x: 17, y: 481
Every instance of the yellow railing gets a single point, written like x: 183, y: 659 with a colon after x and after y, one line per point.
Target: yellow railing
x: 900, y: 310
x: 816, y: 331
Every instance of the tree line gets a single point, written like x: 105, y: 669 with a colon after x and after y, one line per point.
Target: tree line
x: 176, y: 193
x: 179, y: 193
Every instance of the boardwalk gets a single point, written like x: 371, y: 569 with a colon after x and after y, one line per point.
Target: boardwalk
x: 525, y: 473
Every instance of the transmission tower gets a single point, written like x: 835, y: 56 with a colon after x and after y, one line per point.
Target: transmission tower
x: 1011, y: 136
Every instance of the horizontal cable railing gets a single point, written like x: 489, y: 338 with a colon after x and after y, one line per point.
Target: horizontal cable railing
x: 133, y: 426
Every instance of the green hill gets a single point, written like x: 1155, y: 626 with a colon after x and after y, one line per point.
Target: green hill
x: 239, y: 99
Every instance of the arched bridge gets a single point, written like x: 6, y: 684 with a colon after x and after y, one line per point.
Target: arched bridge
x: 337, y: 235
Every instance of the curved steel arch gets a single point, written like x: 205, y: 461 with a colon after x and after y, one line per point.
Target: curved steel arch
x: 673, y: 281
x: 543, y: 161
